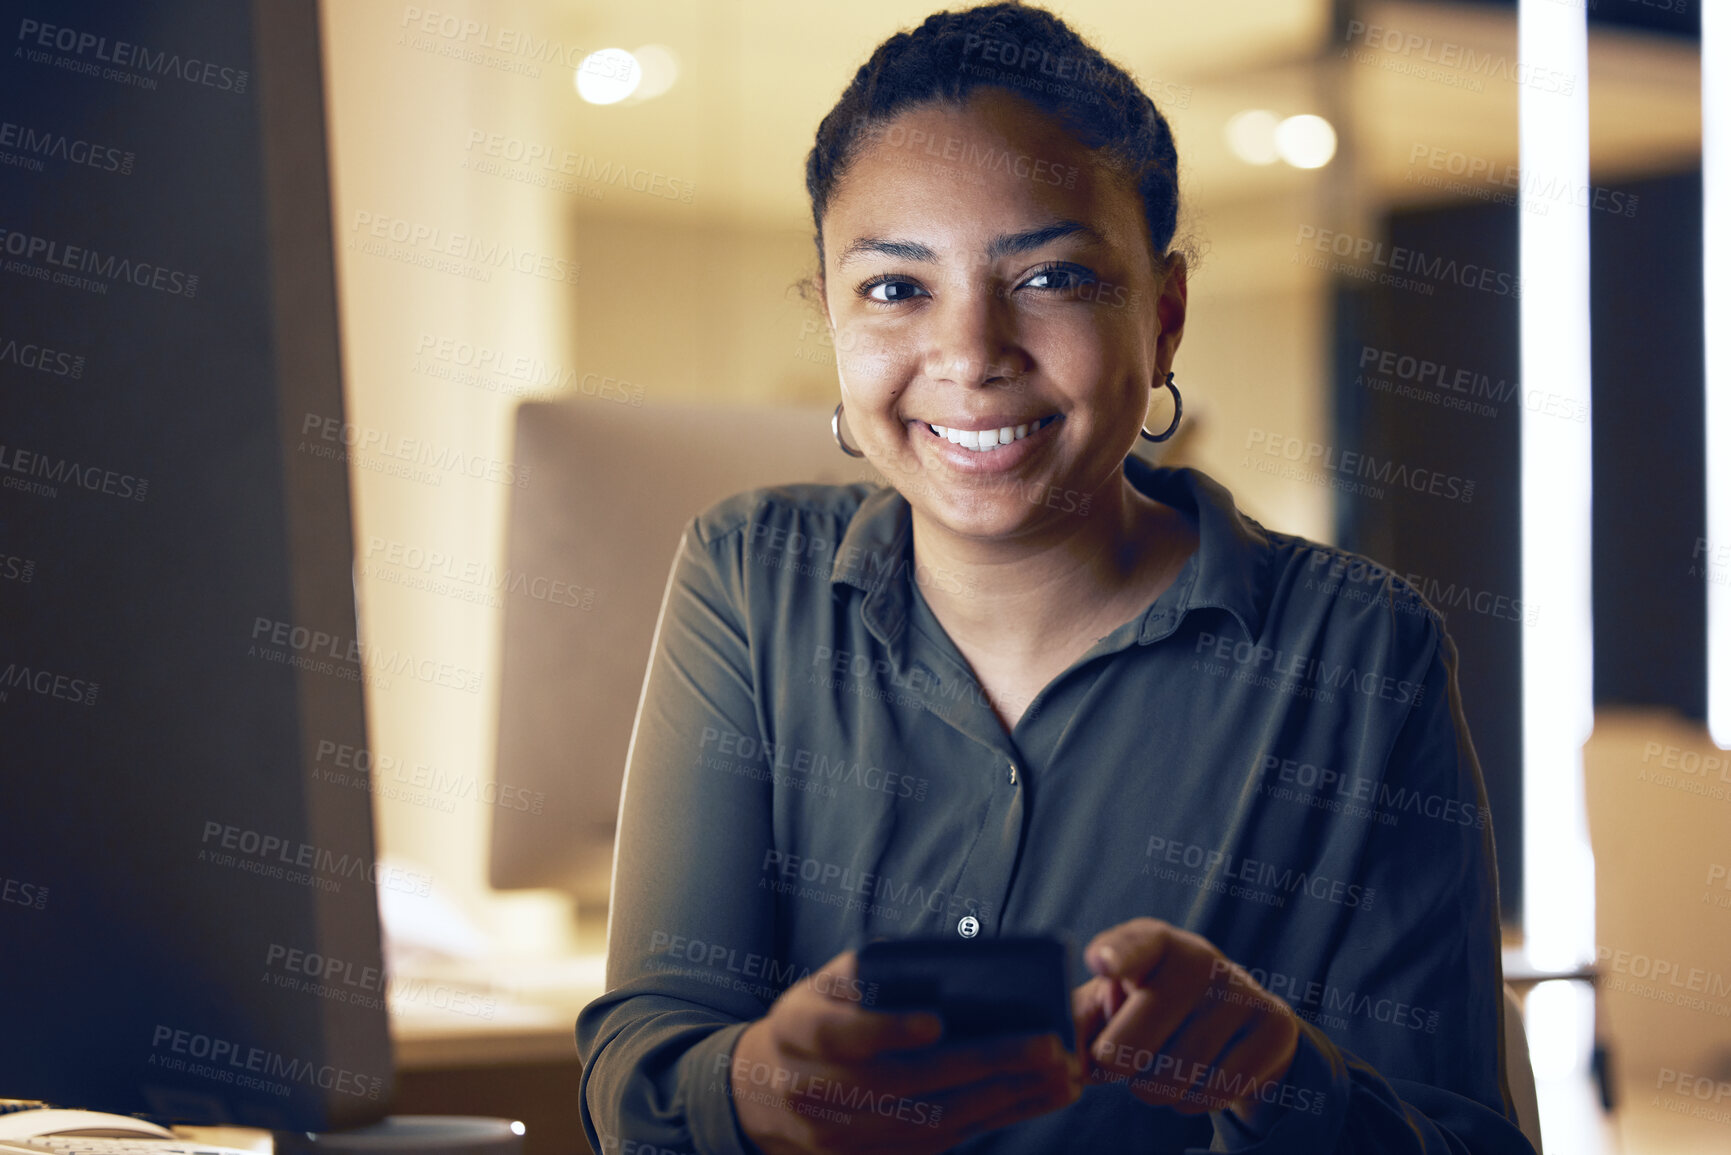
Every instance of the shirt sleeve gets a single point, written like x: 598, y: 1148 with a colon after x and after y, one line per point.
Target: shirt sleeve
x: 1434, y: 950
x: 694, y: 819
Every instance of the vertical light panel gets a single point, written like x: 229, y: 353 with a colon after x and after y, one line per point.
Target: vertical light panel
x: 1715, y: 551
x: 1556, y: 490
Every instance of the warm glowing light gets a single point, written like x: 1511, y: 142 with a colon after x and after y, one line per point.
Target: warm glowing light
x: 1305, y: 141
x: 1556, y: 498
x: 608, y: 76
x: 1713, y: 554
x: 1250, y: 135
x: 660, y: 70
x: 1559, y: 1024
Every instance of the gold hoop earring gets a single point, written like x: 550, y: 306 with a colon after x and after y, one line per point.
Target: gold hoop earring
x: 835, y: 431
x: 1177, y: 412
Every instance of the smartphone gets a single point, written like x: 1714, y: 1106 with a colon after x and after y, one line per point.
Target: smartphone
x: 979, y: 987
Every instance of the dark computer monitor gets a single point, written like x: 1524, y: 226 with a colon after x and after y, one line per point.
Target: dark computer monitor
x: 189, y: 918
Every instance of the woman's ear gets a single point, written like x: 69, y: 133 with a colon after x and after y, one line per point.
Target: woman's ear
x: 810, y: 289
x: 1171, y: 308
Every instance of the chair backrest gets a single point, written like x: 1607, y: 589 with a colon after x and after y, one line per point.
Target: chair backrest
x: 1520, y: 1067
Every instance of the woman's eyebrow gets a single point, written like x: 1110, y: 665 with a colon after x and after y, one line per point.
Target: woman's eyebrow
x: 905, y: 250
x: 1009, y: 244
x: 1002, y: 245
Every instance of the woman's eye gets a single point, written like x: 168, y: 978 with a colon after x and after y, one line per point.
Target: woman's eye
x: 1059, y: 279
x: 890, y: 290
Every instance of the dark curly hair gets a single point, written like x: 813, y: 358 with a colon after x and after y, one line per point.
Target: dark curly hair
x: 1029, y: 52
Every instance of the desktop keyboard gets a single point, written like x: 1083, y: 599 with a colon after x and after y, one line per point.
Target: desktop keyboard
x: 90, y: 1145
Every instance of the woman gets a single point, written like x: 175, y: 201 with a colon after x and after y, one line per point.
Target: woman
x: 1034, y: 686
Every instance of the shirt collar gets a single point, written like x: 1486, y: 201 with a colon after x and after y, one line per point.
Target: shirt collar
x: 875, y: 555
x: 1230, y: 569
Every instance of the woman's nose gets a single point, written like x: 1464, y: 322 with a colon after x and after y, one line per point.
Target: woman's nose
x: 972, y: 339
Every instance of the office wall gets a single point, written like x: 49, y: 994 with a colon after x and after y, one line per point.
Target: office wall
x: 427, y: 534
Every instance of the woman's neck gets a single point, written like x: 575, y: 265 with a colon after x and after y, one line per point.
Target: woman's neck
x: 1025, y: 596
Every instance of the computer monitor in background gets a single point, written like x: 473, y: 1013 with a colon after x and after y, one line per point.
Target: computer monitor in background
x: 614, y: 486
x: 188, y: 916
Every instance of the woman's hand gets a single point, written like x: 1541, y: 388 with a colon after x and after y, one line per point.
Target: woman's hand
x: 821, y: 1072
x: 1186, y: 1026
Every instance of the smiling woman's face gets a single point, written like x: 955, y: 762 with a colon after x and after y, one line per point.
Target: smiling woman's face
x: 983, y: 272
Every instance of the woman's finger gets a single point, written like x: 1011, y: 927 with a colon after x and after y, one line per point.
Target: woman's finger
x: 878, y: 1105
x: 1264, y: 1054
x: 824, y: 1016
x: 844, y: 1033
x: 1195, y: 1061
x: 1133, y: 948
x: 1089, y: 1013
x: 1152, y: 1015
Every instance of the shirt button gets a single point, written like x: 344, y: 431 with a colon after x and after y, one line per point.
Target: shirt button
x: 1012, y: 774
x: 968, y: 927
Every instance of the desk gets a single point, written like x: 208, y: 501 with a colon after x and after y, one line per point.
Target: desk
x: 496, y: 1040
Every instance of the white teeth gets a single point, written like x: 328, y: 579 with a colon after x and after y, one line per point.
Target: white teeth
x: 986, y: 440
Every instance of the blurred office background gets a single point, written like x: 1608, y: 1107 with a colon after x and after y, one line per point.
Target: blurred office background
x: 655, y: 242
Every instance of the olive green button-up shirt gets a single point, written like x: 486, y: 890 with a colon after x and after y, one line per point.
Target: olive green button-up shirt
x: 1272, y: 755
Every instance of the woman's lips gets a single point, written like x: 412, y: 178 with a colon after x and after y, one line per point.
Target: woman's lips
x: 985, y: 436
x: 996, y: 460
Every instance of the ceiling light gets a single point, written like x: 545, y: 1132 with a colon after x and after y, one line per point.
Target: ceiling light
x: 1305, y: 141
x: 660, y: 70
x: 608, y: 76
x: 1251, y: 136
